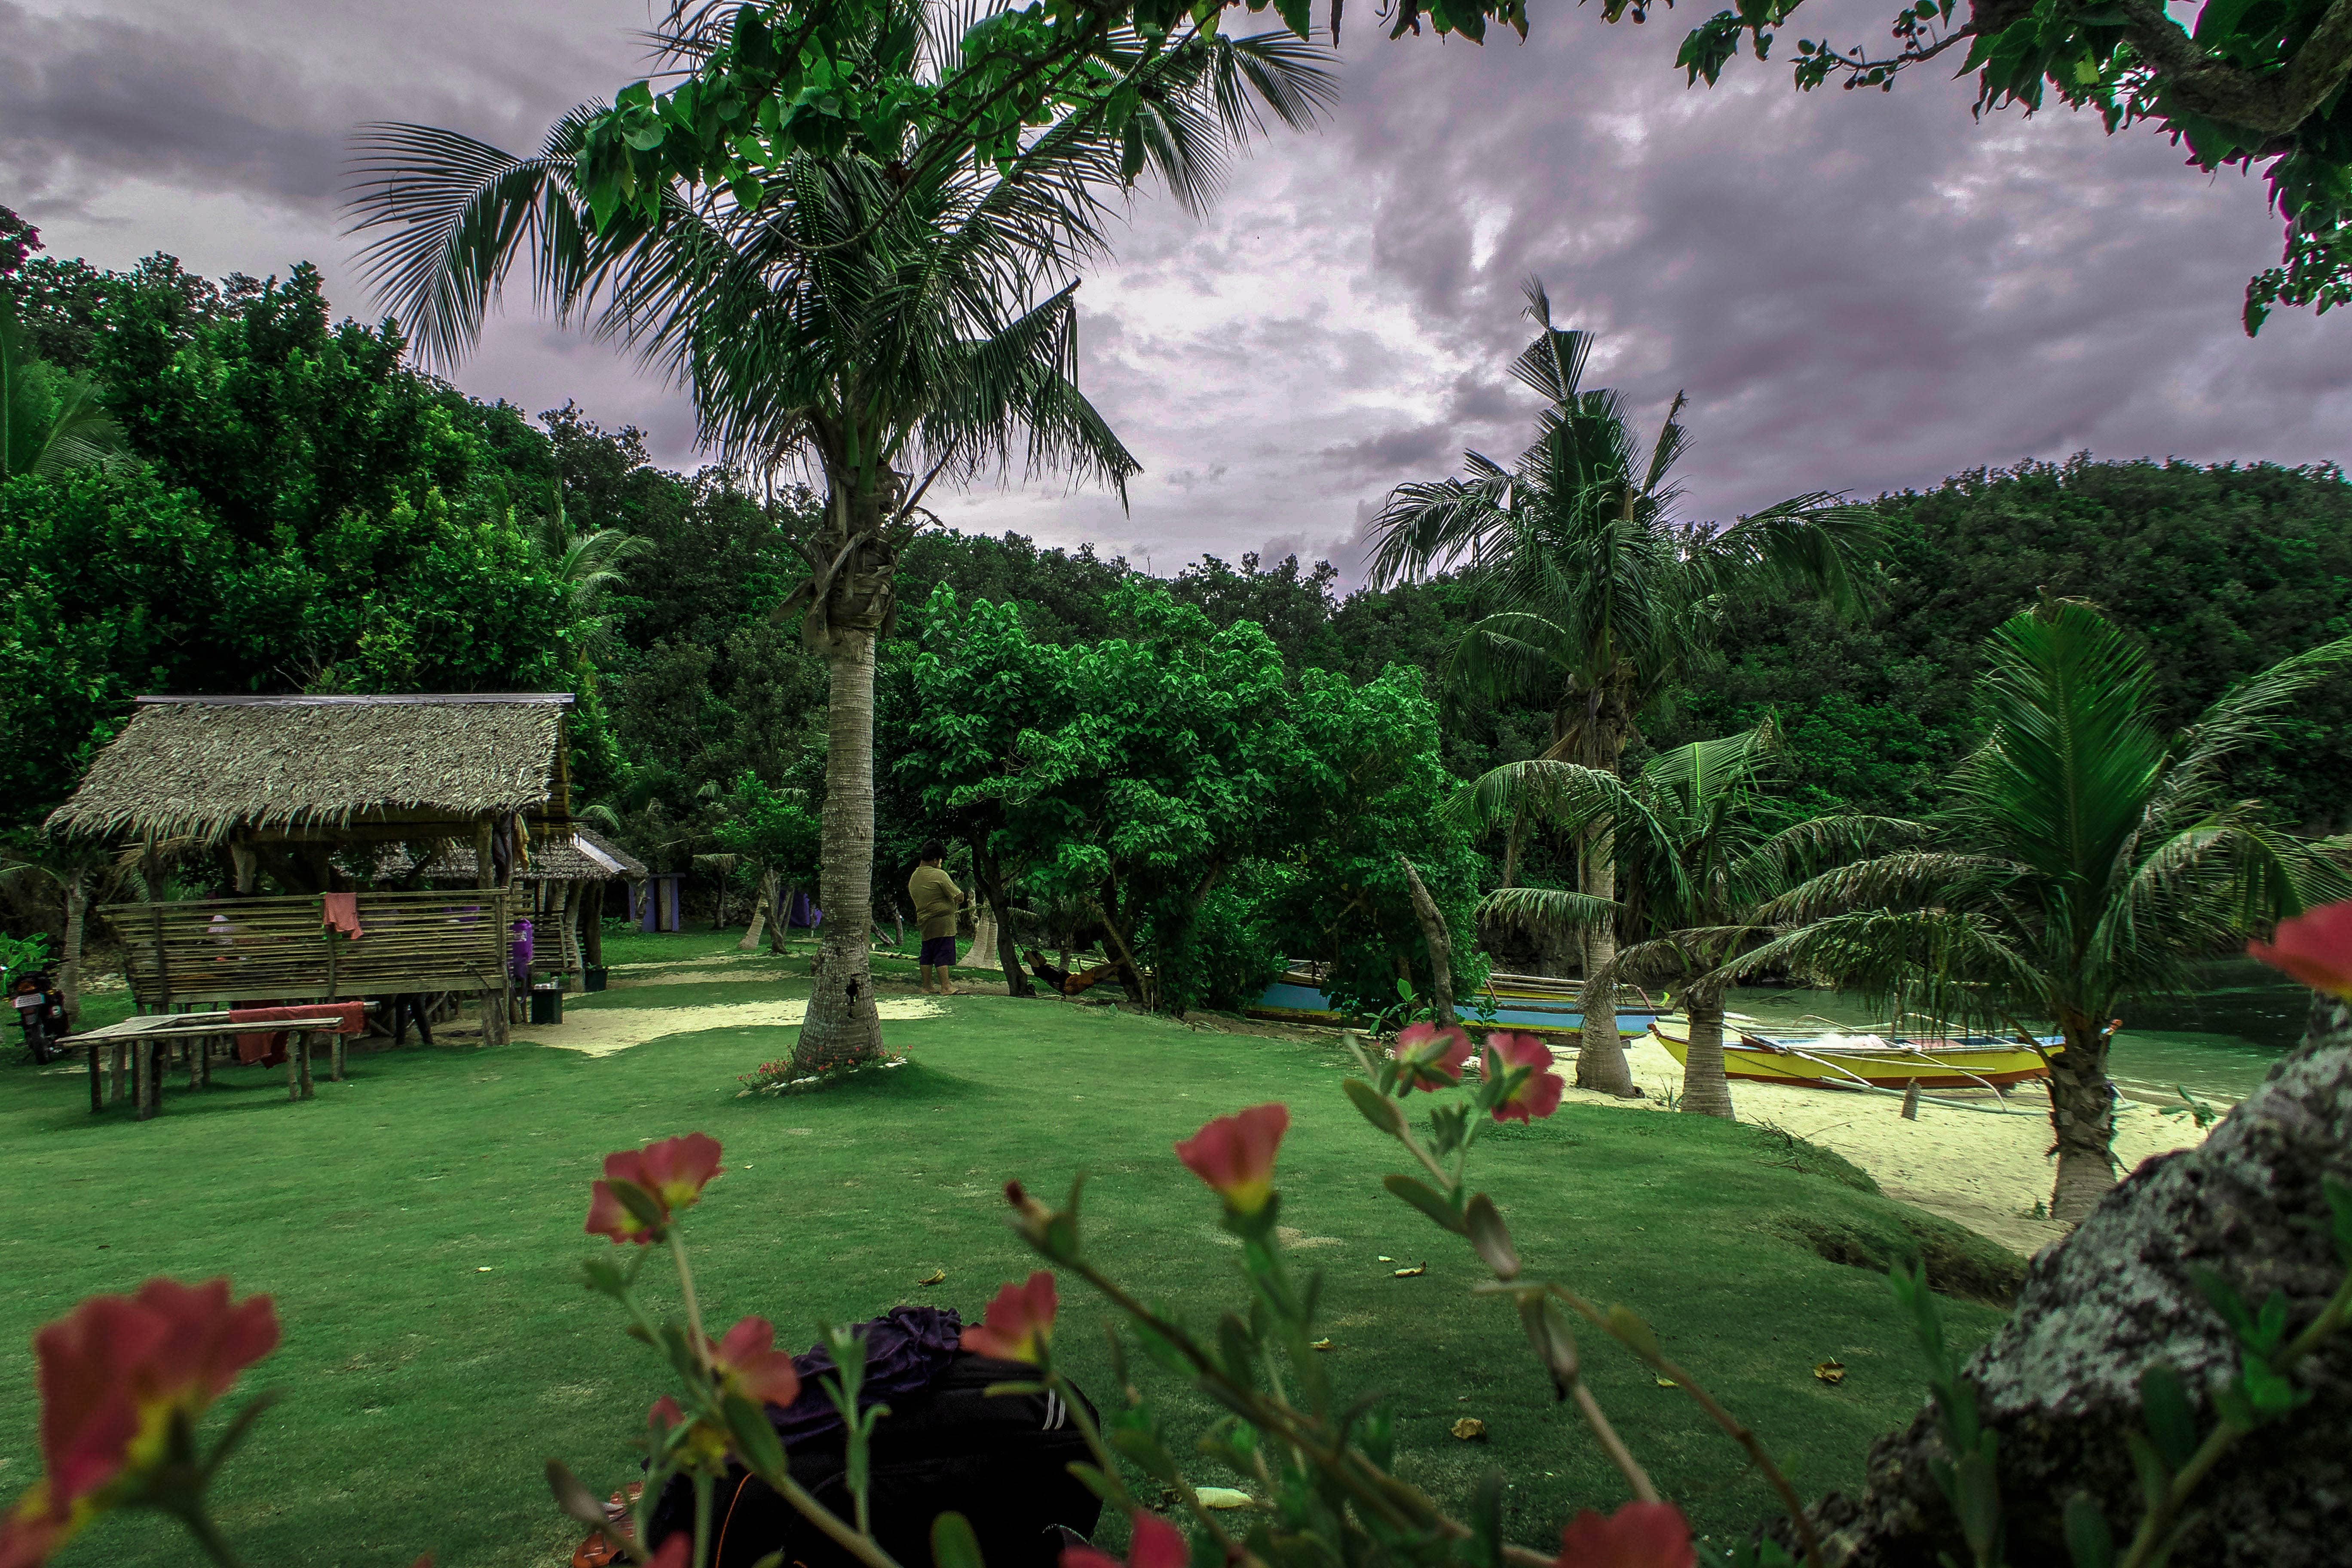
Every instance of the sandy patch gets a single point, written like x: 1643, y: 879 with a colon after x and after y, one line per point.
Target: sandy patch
x: 1983, y: 1170
x: 600, y: 1031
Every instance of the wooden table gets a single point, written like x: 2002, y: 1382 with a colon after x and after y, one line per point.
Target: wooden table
x: 147, y: 1038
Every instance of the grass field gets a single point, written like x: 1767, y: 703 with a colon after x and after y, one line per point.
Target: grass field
x: 420, y: 1227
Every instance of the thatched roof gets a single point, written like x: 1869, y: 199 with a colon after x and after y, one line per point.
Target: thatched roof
x: 317, y: 766
x: 585, y: 857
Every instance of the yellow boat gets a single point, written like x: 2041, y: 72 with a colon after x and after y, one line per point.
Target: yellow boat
x: 1833, y: 1059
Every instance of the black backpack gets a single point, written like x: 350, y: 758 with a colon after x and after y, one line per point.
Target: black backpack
x: 1001, y: 1462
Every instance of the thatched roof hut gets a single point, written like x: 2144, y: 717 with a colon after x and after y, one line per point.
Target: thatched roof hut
x: 337, y: 770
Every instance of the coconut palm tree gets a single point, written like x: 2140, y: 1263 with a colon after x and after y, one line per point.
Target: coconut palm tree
x: 2084, y: 860
x: 1598, y: 600
x: 588, y: 567
x: 889, y: 316
x: 50, y: 423
x: 1697, y: 856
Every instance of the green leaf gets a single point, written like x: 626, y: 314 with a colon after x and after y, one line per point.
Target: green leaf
x: 1297, y: 15
x: 755, y: 1441
x: 1491, y: 1237
x: 1547, y: 1329
x: 953, y: 1544
x: 1632, y: 1330
x: 1379, y: 1109
x: 2171, y: 1418
x: 576, y: 1500
x: 2339, y: 1201
x: 1486, y: 1521
x: 2089, y: 1542
x: 1427, y: 1201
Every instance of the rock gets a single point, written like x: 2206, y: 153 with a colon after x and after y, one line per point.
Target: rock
x: 2059, y: 1382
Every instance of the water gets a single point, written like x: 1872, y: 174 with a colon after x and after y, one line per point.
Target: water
x: 2216, y: 1045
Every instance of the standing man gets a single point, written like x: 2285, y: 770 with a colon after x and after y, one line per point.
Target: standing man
x: 936, y: 900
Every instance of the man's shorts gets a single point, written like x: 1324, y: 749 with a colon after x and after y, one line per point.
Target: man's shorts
x: 939, y: 953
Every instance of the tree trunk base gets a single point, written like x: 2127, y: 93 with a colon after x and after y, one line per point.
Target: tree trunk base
x: 2060, y: 1383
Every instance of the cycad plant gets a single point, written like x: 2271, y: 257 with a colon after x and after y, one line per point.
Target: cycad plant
x: 2084, y: 860
x: 886, y: 298
x: 1699, y: 851
x: 1596, y: 598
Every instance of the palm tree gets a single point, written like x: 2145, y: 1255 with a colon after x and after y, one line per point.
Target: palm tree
x: 2085, y: 861
x: 1696, y: 859
x: 50, y: 423
x: 887, y: 316
x: 1598, y: 600
x: 587, y: 567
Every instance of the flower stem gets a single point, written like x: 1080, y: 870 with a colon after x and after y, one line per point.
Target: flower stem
x: 686, y: 1288
x: 1614, y: 1447
x: 208, y: 1536
x: 701, y: 1518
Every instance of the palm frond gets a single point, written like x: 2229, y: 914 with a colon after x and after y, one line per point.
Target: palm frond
x: 1907, y: 879
x: 1553, y: 912
x: 1959, y: 964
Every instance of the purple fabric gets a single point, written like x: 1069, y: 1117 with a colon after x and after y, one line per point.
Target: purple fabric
x: 805, y: 913
x: 905, y: 1350
x: 939, y: 952
x: 522, y: 950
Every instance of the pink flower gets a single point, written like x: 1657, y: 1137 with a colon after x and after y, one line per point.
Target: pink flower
x: 1428, y: 1057
x: 675, y: 1552
x: 1235, y: 1154
x: 1537, y: 1091
x: 663, y: 1415
x: 1639, y: 1535
x: 671, y: 1172
x: 114, y: 1374
x: 1019, y: 1324
x: 1156, y: 1543
x: 748, y: 1364
x: 2315, y: 947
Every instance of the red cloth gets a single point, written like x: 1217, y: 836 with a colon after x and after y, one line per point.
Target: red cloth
x: 269, y: 1046
x: 341, y: 912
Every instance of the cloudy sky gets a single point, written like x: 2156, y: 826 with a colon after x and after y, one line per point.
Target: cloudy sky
x: 1859, y: 292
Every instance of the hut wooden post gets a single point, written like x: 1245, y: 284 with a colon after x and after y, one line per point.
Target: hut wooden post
x: 592, y: 928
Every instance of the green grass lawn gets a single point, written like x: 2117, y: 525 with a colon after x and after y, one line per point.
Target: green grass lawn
x: 420, y: 1227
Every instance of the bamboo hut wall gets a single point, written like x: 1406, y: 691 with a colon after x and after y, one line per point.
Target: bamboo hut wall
x: 279, y: 949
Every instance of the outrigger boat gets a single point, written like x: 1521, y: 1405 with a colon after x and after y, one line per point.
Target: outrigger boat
x: 1829, y: 1057
x: 1535, y: 1004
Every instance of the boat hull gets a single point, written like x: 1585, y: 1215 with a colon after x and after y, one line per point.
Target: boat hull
x: 1895, y: 1065
x: 1293, y: 1000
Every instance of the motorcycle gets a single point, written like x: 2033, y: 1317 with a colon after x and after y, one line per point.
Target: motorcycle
x: 41, y: 1012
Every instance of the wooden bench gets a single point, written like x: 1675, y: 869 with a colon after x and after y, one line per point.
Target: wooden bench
x: 148, y: 1039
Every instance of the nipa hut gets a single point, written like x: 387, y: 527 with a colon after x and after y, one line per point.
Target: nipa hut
x: 287, y: 785
x: 285, y: 782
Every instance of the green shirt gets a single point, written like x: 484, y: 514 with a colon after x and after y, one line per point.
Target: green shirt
x: 936, y: 900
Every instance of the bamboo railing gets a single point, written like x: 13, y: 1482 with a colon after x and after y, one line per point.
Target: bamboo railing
x: 279, y: 949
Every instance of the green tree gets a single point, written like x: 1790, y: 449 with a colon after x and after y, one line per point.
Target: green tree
x: 881, y: 287
x: 1595, y: 598
x: 2084, y: 857
x: 774, y: 838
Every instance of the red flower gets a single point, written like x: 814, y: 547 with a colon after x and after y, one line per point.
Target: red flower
x: 1235, y: 1154
x: 1156, y: 1543
x: 675, y: 1552
x: 1019, y: 1322
x: 1639, y: 1535
x: 663, y: 1415
x: 114, y: 1374
x: 671, y: 1172
x: 1537, y: 1092
x: 748, y: 1364
x: 2315, y: 947
x: 1428, y: 1056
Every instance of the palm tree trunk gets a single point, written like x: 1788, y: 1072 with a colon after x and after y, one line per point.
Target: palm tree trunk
x: 842, y: 1027
x: 766, y: 901
x: 1601, y: 1061
x: 69, y: 966
x: 1706, y: 1090
x: 2083, y: 1113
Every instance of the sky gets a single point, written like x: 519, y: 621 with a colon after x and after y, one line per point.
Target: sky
x: 1859, y: 292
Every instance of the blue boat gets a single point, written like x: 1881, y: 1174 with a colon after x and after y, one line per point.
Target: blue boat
x: 1535, y: 1004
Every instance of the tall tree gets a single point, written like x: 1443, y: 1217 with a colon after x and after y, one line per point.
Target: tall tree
x: 2084, y: 859
x: 1596, y: 598
x: 878, y: 285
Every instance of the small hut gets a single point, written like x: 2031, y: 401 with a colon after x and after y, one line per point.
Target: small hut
x: 566, y: 879
x: 289, y: 784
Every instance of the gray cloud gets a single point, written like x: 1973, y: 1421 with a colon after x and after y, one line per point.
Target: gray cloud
x: 1857, y: 291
